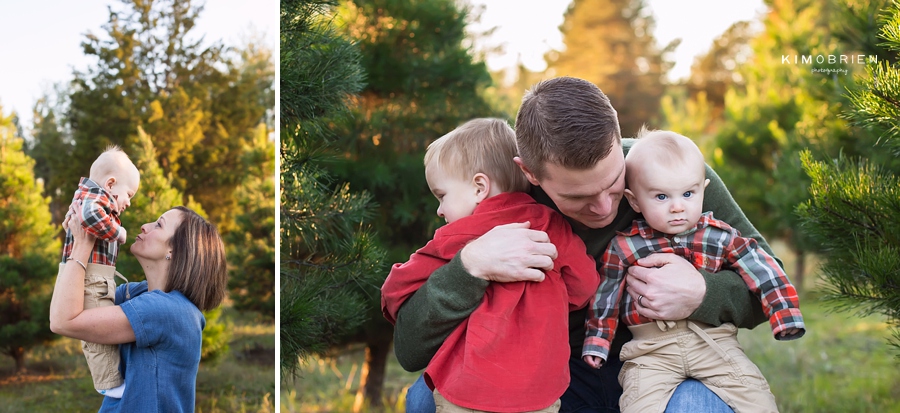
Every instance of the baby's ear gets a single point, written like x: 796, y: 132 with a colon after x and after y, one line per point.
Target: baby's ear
x: 632, y: 201
x: 110, y: 182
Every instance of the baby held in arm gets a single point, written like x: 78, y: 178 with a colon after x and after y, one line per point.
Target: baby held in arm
x: 103, y: 196
x: 665, y: 177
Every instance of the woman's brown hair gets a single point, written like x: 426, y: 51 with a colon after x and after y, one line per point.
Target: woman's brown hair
x: 198, y: 267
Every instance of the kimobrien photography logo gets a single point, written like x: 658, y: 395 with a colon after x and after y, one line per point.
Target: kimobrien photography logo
x: 831, y: 59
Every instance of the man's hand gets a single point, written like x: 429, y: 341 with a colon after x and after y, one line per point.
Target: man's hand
x: 509, y: 253
x: 123, y: 235
x: 666, y: 287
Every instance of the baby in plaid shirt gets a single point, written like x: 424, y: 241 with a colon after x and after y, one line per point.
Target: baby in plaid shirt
x: 665, y: 176
x: 105, y: 194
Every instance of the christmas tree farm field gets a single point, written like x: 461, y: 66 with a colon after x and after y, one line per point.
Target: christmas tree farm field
x: 842, y: 364
x: 242, y: 380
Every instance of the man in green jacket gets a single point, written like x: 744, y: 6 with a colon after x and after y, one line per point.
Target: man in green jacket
x: 571, y: 150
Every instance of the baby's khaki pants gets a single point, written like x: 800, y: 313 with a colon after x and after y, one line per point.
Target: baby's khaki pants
x: 102, y: 359
x: 665, y: 353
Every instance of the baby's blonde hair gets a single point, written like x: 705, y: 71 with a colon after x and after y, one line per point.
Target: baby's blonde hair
x: 665, y: 148
x: 112, y: 162
x: 482, y: 145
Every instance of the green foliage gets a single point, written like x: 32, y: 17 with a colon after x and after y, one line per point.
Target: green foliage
x: 216, y: 336
x: 251, y: 246
x: 155, y: 196
x: 327, y: 256
x: 319, y: 69
x: 58, y: 379
x: 782, y: 109
x: 690, y: 116
x: 696, y: 107
x: 201, y: 104
x: 854, y: 205
x: 423, y: 82
x: 610, y: 43
x: 28, y: 250
x: 50, y: 145
x: 715, y: 72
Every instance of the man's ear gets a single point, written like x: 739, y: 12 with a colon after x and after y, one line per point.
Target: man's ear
x: 528, y: 175
x: 482, y: 185
x: 632, y: 200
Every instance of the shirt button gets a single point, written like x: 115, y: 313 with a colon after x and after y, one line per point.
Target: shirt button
x: 677, y: 239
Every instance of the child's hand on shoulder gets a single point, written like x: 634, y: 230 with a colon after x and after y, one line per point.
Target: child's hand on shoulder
x: 593, y: 361
x: 123, y: 235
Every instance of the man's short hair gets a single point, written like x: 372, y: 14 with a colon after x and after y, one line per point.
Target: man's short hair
x: 566, y: 121
x: 482, y: 145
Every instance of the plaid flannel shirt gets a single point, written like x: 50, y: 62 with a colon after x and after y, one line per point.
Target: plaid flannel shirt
x: 100, y: 220
x: 711, y: 245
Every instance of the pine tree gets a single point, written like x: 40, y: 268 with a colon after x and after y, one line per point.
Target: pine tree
x: 50, y: 146
x: 155, y: 195
x: 251, y: 245
x: 29, y: 250
x: 423, y: 81
x: 854, y: 205
x: 200, y: 103
x: 610, y: 43
x: 326, y: 248
x: 782, y: 109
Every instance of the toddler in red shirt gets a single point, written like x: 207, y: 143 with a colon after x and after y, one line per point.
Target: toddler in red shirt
x: 512, y: 353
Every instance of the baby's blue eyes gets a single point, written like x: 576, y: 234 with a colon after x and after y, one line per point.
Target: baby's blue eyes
x: 663, y: 197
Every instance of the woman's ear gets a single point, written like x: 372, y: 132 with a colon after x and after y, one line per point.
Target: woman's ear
x: 482, y: 186
x: 632, y: 200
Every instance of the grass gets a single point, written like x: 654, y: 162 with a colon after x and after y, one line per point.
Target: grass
x: 330, y: 384
x: 842, y: 364
x: 58, y: 379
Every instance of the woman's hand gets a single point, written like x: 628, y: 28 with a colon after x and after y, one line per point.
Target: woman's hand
x: 104, y: 325
x: 73, y: 222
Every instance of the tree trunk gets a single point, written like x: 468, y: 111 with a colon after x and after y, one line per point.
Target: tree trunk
x: 799, y: 270
x: 371, y: 380
x: 18, y: 354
